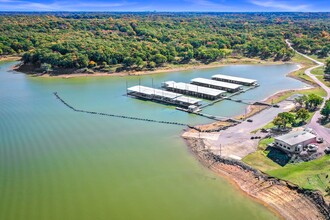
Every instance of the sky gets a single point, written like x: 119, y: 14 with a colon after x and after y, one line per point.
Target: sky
x: 168, y: 5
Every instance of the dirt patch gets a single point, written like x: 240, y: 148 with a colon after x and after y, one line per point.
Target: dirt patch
x: 286, y: 199
x: 9, y: 58
x: 219, y: 125
x: 251, y: 111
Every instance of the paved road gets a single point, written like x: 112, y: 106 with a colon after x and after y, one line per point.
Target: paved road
x: 320, y: 130
x: 236, y: 141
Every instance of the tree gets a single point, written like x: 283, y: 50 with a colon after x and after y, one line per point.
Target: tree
x: 302, y: 114
x: 46, y: 67
x: 327, y: 69
x: 159, y: 59
x: 91, y: 63
x: 152, y: 65
x: 326, y: 110
x: 279, y: 122
x: 129, y: 61
x: 314, y: 101
x: 283, y: 119
x: 301, y: 100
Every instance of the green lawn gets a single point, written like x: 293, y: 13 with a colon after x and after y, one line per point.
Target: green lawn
x: 259, y: 158
x: 300, y: 59
x: 318, y: 71
x: 309, y: 175
x: 318, y: 59
x: 260, y: 161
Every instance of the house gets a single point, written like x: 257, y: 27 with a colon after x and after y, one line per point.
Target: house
x: 294, y: 142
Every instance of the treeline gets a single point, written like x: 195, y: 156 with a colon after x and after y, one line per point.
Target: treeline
x: 148, y: 40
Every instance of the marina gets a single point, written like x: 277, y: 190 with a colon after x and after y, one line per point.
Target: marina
x: 235, y: 80
x: 229, y: 87
x: 203, y: 88
x: 162, y: 96
x: 194, y: 90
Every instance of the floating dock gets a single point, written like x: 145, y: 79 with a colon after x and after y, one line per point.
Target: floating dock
x: 234, y: 79
x: 229, y: 87
x: 193, y: 90
x: 164, y: 96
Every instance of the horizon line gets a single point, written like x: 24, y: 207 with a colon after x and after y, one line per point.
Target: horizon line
x: 155, y: 11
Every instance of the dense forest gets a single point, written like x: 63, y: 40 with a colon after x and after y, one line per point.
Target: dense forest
x: 136, y: 41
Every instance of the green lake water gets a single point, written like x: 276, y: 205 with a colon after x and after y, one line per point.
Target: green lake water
x: 56, y: 164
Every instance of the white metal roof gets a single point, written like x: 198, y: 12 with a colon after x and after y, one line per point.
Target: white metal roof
x: 187, y: 99
x: 152, y: 91
x: 194, y: 88
x: 297, y: 137
x: 217, y: 83
x: 234, y: 78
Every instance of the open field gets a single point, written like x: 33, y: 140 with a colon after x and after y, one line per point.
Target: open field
x: 319, y: 73
x: 309, y: 175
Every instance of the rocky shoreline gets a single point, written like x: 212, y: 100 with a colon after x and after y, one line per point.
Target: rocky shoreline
x: 288, y: 200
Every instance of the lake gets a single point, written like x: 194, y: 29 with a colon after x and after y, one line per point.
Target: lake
x: 57, y: 164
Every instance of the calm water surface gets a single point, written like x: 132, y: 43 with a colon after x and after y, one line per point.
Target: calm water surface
x: 56, y: 164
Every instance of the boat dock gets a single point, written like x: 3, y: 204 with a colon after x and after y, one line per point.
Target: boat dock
x: 193, y: 90
x: 163, y: 96
x: 229, y: 87
x: 234, y: 79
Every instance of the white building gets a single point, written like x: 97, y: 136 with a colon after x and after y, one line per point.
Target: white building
x: 162, y: 96
x: 234, y: 79
x: 229, y: 87
x: 193, y: 90
x: 295, y: 141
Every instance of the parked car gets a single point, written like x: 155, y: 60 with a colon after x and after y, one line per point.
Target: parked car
x: 249, y: 120
x: 319, y: 140
x: 327, y: 150
x: 263, y: 130
x: 276, y: 106
x: 312, y: 148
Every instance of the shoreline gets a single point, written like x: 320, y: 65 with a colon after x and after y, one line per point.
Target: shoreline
x: 166, y: 69
x: 284, y: 199
x: 9, y: 58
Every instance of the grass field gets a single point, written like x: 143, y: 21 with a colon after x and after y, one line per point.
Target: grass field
x: 259, y: 158
x: 310, y: 175
x: 318, y: 59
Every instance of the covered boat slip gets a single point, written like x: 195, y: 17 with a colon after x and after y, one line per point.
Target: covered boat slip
x: 234, y: 79
x: 162, y: 96
x: 193, y: 90
x: 229, y: 87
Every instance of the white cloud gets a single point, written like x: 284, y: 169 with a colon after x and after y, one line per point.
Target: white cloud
x: 281, y: 5
x: 60, y: 6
